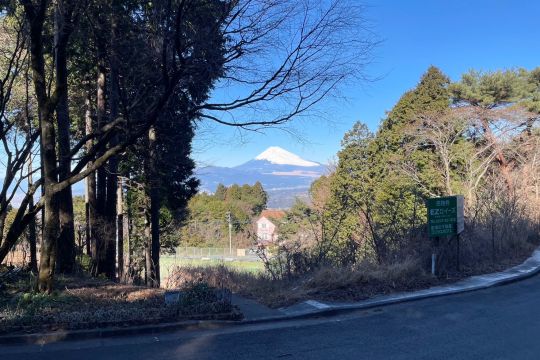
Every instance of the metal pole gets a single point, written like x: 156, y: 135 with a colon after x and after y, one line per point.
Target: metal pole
x: 434, y: 255
x: 230, y: 232
x: 457, y: 259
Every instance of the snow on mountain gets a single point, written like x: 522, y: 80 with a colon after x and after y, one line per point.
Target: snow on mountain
x: 284, y: 175
x: 277, y: 155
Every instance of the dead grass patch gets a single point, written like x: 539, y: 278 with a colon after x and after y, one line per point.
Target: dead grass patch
x: 81, y: 303
x: 336, y: 284
x: 326, y: 283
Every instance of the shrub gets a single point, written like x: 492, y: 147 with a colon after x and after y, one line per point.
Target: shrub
x: 201, y: 298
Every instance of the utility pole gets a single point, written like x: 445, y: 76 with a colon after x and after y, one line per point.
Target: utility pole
x: 230, y: 231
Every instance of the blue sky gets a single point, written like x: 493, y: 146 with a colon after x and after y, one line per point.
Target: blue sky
x: 453, y: 35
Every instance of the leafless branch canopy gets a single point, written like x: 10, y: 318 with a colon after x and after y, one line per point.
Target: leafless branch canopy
x: 285, y: 57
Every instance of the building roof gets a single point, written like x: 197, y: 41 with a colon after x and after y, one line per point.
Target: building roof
x: 272, y: 214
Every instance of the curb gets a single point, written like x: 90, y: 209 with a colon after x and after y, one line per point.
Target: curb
x: 72, y: 335
x: 527, y: 269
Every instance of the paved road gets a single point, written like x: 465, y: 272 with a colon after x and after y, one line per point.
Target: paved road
x: 498, y: 323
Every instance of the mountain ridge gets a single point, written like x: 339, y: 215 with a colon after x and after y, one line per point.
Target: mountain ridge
x: 277, y: 155
x: 284, y: 175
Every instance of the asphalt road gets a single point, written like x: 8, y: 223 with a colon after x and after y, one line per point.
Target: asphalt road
x: 497, y: 323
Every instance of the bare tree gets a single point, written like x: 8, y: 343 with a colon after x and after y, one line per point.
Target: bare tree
x: 285, y: 56
x: 440, y: 132
x: 458, y: 139
x: 17, y: 134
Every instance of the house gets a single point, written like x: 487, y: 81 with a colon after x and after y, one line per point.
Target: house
x: 267, y: 226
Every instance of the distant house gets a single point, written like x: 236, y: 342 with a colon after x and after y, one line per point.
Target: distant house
x: 267, y: 226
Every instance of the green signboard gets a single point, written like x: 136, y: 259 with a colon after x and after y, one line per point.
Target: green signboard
x: 445, y: 216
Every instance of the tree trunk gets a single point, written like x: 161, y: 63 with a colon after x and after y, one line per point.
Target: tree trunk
x: 3, y: 216
x: 120, y: 227
x: 87, y: 233
x: 112, y: 166
x: 100, y: 231
x: 90, y: 191
x: 120, y: 230
x: 51, y: 218
x: 155, y: 204
x: 447, y: 177
x: 23, y: 217
x: 127, y: 240
x: 501, y: 159
x: 32, y: 236
x: 110, y: 220
x: 66, y: 240
x: 147, y: 245
x: 35, y: 16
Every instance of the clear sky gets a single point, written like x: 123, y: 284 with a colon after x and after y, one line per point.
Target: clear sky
x: 454, y: 35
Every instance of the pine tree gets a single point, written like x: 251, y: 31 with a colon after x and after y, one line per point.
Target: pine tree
x: 487, y: 92
x: 369, y: 185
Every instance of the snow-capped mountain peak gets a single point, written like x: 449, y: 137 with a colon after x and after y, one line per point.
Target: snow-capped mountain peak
x: 284, y: 176
x: 277, y: 155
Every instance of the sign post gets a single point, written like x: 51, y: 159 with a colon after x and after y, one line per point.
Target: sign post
x: 445, y: 218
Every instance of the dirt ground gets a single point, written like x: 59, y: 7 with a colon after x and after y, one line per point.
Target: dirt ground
x: 83, y: 302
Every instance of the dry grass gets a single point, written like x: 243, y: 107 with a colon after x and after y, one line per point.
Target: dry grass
x: 327, y: 283
x: 360, y: 282
x: 17, y: 257
x: 88, y: 303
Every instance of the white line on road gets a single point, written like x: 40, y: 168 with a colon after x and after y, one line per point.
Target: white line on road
x: 317, y: 304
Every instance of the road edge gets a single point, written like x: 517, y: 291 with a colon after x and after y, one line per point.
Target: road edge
x: 527, y: 269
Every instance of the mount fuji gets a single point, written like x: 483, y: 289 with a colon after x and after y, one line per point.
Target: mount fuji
x: 284, y: 175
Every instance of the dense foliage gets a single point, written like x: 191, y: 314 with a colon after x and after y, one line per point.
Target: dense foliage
x: 478, y: 137
x: 208, y: 220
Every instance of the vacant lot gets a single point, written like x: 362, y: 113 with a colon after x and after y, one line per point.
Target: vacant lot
x: 167, y: 263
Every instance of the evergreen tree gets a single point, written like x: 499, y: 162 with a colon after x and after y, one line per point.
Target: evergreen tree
x: 260, y: 198
x: 221, y: 192
x: 234, y: 192
x: 489, y: 93
x: 243, y: 202
x: 369, y: 185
